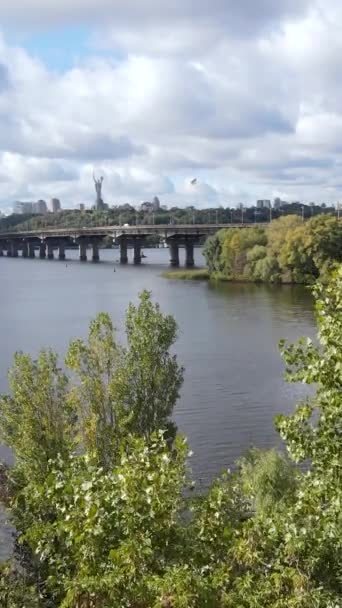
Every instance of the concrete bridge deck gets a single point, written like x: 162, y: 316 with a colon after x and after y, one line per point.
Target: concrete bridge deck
x: 47, y: 240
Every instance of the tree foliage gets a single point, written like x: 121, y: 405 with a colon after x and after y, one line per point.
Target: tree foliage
x: 121, y: 214
x: 110, y: 520
x: 287, y: 251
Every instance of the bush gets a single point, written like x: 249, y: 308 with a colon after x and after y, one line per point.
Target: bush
x: 101, y: 530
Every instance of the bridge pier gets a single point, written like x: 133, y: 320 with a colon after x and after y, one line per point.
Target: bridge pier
x: 83, y: 251
x: 24, y: 249
x: 137, y: 252
x: 95, y: 254
x: 14, y: 249
x: 49, y: 240
x: 42, y: 251
x: 123, y: 251
x: 174, y: 253
x: 61, y: 251
x: 31, y: 250
x: 50, y: 253
x: 189, y: 254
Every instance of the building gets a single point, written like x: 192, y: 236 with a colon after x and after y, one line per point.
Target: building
x: 149, y: 207
x: 263, y: 204
x: 55, y: 205
x: 40, y: 207
x: 156, y: 203
x: 82, y: 207
x: 21, y: 207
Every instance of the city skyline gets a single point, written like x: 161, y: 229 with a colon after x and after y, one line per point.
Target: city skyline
x: 154, y: 206
x: 243, y: 98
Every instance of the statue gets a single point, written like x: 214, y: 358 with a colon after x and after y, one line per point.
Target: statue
x: 98, y: 187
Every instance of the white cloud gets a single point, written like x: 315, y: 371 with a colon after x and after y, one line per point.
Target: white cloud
x: 246, y: 96
x: 245, y: 17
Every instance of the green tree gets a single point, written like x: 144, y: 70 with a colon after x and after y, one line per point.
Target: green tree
x: 94, y: 365
x: 121, y: 390
x: 111, y: 531
x: 212, y: 252
x: 149, y: 378
x: 288, y: 250
x: 129, y: 533
x: 37, y: 418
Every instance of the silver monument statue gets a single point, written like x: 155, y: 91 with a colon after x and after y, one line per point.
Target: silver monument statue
x: 98, y: 188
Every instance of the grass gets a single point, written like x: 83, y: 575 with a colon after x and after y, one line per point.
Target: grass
x: 199, y: 274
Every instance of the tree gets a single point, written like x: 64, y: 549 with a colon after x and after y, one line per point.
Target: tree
x: 288, y: 250
x: 128, y: 532
x: 112, y: 531
x: 95, y: 366
x: 149, y: 377
x: 212, y: 252
x: 37, y: 418
x: 125, y: 390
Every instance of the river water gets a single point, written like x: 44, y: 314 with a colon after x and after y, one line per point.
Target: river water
x: 228, y: 340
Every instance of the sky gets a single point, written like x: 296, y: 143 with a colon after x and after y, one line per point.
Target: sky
x: 244, y: 96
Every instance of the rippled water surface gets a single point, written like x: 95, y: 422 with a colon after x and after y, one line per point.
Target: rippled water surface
x: 228, y: 340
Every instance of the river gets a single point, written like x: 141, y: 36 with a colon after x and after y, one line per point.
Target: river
x: 228, y: 340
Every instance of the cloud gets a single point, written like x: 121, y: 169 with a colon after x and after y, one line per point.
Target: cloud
x: 245, y: 17
x: 4, y: 78
x: 19, y: 169
x: 245, y: 95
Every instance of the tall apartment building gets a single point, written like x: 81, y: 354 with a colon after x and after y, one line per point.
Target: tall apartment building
x: 55, y: 205
x: 263, y: 204
x: 22, y: 207
x: 40, y: 207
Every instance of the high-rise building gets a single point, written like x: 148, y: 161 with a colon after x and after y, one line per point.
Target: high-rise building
x: 82, y: 207
x: 156, y: 203
x: 21, y: 207
x: 40, y: 207
x: 55, y: 205
x: 263, y: 204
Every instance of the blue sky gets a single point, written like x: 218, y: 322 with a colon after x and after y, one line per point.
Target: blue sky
x: 59, y: 49
x: 245, y: 96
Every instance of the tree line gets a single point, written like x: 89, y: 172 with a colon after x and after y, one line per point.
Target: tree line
x: 287, y: 251
x: 127, y: 214
x: 101, y: 495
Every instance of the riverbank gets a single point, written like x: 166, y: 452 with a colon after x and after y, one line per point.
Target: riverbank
x: 286, y: 251
x: 202, y: 274
x: 198, y: 274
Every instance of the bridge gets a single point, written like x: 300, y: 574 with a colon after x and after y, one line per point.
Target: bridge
x: 46, y: 241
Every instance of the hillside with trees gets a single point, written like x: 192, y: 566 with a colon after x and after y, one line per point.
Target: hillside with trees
x: 101, y: 496
x: 287, y: 251
x: 122, y: 214
x: 9, y: 223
